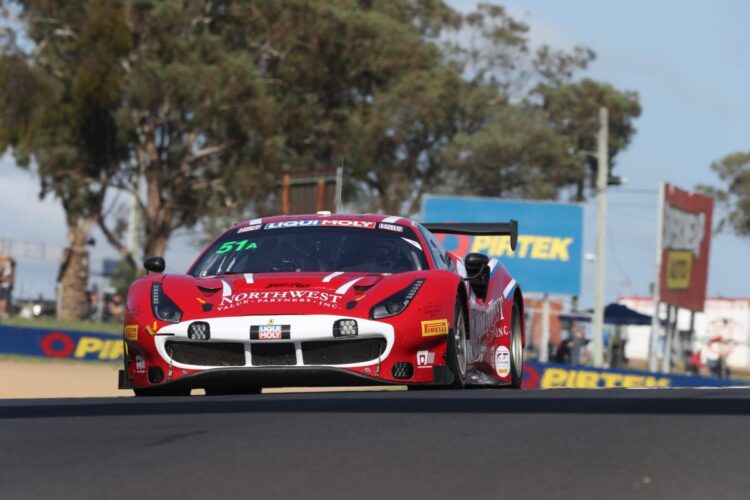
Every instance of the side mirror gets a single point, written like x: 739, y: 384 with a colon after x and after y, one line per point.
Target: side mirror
x: 475, y: 263
x: 479, y: 273
x: 155, y: 264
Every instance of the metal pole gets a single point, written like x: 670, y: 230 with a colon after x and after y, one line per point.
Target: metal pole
x: 655, y: 323
x: 601, y: 230
x: 339, y: 187
x: 666, y: 361
x: 544, y: 342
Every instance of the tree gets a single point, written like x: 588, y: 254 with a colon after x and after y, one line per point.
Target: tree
x: 734, y: 171
x: 196, y: 117
x: 58, y: 102
x: 573, y: 110
x: 533, y: 127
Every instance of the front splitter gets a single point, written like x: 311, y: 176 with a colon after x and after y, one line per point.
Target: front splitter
x: 238, y: 378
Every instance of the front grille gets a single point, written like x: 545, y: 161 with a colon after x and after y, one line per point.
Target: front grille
x: 277, y: 353
x: 341, y: 352
x: 207, y: 353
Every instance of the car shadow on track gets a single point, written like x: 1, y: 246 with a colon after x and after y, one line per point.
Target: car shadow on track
x: 688, y: 402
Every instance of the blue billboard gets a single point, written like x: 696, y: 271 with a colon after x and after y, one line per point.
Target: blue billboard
x: 548, y: 256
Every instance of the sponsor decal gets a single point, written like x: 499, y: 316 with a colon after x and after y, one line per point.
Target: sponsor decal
x: 140, y: 364
x: 486, y: 322
x: 391, y: 227
x: 679, y: 269
x: 246, y: 229
x: 502, y: 361
x: 151, y: 331
x: 326, y: 222
x: 269, y: 332
x: 131, y: 332
x: 349, y: 223
x: 503, y: 330
x: 62, y: 345
x: 292, y: 223
x: 434, y: 327
x: 529, y: 247
x: 425, y: 359
x: 323, y: 299
x: 236, y: 246
x: 684, y: 230
x: 554, y: 378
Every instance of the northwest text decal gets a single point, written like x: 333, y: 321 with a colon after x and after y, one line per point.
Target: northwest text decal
x: 323, y: 299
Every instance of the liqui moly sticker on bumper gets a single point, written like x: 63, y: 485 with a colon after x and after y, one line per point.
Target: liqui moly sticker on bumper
x: 270, y: 332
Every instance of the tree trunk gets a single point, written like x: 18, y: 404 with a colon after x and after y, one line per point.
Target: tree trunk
x: 158, y: 217
x: 73, y: 279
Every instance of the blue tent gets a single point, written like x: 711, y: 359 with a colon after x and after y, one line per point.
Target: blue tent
x: 614, y: 314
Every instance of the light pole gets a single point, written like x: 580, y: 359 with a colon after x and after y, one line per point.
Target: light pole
x: 602, y: 176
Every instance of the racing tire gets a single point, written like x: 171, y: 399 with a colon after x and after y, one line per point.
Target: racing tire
x: 516, y: 348
x: 457, y: 356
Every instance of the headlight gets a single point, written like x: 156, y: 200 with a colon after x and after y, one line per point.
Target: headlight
x: 164, y: 308
x: 345, y: 328
x: 397, y: 302
x: 199, y: 330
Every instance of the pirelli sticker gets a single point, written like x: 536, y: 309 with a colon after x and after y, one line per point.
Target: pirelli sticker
x: 131, y: 332
x: 434, y: 328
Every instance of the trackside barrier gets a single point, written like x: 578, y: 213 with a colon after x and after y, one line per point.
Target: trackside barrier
x: 60, y: 344
x: 556, y: 376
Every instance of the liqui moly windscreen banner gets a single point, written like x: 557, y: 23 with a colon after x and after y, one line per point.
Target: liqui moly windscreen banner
x: 685, y: 246
x: 548, y: 256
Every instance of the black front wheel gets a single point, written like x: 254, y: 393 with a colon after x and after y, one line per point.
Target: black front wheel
x: 516, y: 348
x: 457, y: 359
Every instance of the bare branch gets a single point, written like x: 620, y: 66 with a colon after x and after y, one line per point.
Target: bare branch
x: 112, y: 239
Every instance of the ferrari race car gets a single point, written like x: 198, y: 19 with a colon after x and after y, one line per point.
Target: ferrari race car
x: 311, y: 300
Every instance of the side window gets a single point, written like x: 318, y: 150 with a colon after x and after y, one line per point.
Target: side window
x: 438, y: 252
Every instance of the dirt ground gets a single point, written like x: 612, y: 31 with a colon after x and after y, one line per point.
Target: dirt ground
x: 58, y: 379
x: 61, y: 379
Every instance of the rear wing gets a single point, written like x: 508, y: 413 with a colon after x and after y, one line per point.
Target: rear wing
x: 477, y: 229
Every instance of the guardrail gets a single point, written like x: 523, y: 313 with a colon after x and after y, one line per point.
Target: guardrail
x: 60, y: 344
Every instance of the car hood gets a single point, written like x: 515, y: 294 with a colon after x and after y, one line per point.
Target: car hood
x: 350, y: 294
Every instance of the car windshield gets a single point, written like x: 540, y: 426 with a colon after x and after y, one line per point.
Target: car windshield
x: 252, y: 249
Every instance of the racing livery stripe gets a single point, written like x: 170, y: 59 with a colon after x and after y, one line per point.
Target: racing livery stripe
x: 492, y: 264
x: 346, y: 286
x: 226, y: 289
x: 509, y: 288
x: 412, y: 242
x: 328, y: 278
x: 391, y: 219
x: 249, y: 278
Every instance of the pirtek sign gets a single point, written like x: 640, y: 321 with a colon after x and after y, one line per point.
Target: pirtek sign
x: 550, y: 238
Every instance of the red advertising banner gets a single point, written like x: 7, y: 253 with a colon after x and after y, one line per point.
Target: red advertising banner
x: 685, y: 245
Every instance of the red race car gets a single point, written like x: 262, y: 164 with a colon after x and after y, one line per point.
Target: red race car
x: 311, y: 300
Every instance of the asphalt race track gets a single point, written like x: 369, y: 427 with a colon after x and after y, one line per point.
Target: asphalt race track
x: 469, y: 444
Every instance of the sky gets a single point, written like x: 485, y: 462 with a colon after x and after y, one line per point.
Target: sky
x: 689, y: 62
